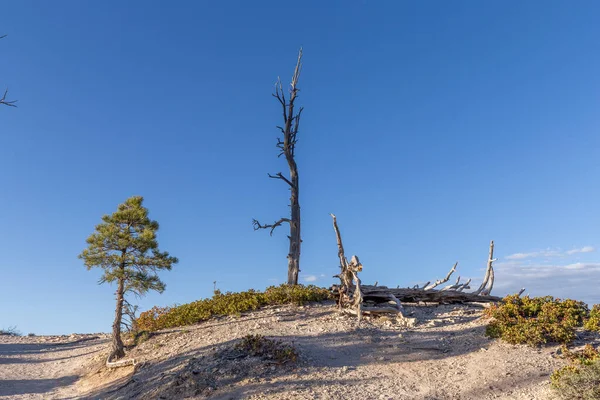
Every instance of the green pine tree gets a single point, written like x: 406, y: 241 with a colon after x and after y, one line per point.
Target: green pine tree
x: 124, y: 245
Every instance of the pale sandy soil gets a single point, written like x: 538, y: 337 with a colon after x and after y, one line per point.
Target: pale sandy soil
x: 45, y: 367
x: 445, y: 355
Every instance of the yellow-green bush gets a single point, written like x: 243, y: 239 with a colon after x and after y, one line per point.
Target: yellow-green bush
x: 536, y: 320
x: 593, y: 322
x: 228, y: 304
x: 581, y: 379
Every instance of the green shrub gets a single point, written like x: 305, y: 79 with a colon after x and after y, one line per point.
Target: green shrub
x: 535, y: 321
x: 581, y: 380
x: 260, y: 346
x: 593, y: 322
x: 140, y: 337
x: 228, y: 304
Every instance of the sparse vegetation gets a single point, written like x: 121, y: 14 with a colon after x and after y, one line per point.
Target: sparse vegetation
x: 260, y: 346
x: 228, y: 304
x: 140, y: 337
x: 535, y: 321
x: 581, y: 379
x: 10, y: 331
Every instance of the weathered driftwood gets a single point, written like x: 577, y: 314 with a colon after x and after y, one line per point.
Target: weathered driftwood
x: 427, y: 286
x: 488, y: 281
x: 358, y: 299
x: 350, y: 293
x: 408, y: 295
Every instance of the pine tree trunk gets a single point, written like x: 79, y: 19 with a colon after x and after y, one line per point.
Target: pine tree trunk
x: 295, y: 240
x: 117, y: 344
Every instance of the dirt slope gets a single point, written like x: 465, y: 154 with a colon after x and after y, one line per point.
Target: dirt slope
x: 445, y: 355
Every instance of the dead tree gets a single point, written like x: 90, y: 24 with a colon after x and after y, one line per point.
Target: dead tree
x: 351, y: 297
x: 354, y: 296
x: 287, y: 147
x: 10, y: 103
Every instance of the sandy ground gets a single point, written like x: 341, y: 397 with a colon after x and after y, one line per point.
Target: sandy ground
x: 440, y: 354
x: 45, y: 367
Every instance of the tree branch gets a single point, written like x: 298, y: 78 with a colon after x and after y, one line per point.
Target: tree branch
x: 257, y: 225
x: 279, y: 175
x: 3, y: 99
x: 7, y: 102
x: 440, y: 281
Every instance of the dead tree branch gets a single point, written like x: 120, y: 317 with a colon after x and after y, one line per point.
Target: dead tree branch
x: 257, y: 225
x: 488, y: 280
x: 440, y: 281
x: 10, y: 103
x: 279, y: 175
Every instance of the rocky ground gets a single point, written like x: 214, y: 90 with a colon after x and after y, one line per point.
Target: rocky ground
x: 436, y: 353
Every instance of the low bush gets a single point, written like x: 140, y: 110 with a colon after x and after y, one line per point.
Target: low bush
x: 593, y: 322
x: 228, y: 304
x: 260, y: 346
x: 535, y: 321
x: 581, y: 379
x: 140, y: 337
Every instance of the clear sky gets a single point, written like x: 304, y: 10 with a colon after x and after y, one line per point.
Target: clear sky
x: 429, y: 128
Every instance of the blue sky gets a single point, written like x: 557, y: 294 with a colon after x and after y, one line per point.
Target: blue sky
x: 429, y: 129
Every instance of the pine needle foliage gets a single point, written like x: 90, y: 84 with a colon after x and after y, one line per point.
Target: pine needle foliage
x: 125, y: 247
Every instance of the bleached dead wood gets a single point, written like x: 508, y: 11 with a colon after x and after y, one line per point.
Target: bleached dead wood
x: 440, y: 281
x: 120, y: 363
x: 350, y: 289
x: 408, y: 295
x: 488, y: 281
x: 359, y: 299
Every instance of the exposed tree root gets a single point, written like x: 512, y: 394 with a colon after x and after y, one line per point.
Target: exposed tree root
x: 120, y: 363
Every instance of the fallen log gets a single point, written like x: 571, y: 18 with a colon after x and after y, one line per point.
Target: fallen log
x: 407, y: 295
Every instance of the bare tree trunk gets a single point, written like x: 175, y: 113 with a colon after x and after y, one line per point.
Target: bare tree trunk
x: 117, y: 344
x: 295, y: 240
